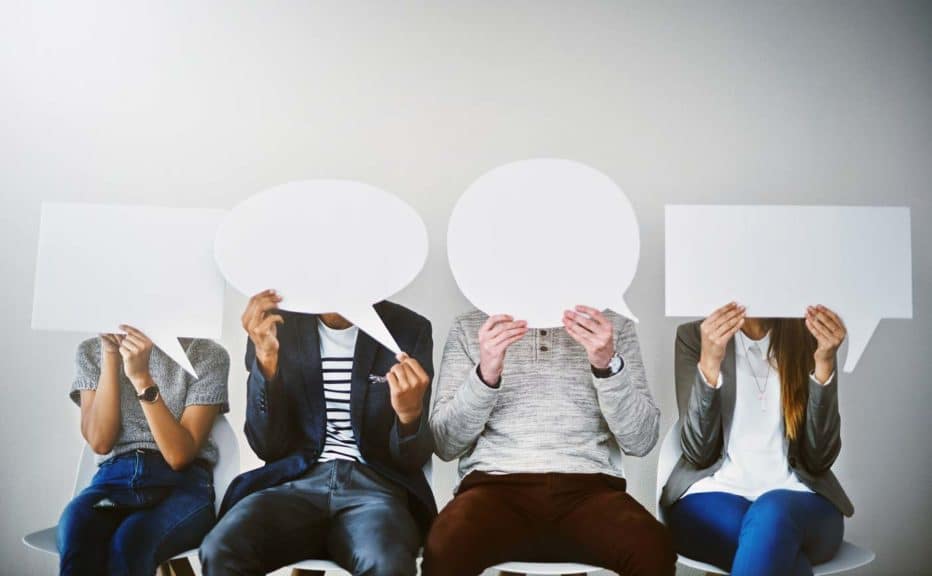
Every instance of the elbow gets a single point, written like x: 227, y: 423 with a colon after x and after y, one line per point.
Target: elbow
x: 100, y: 447
x: 694, y: 452
x: 178, y: 462
x: 821, y: 461
x: 101, y: 444
x: 644, y: 447
x: 443, y: 449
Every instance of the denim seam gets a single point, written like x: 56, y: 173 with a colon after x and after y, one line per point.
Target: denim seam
x: 163, y: 536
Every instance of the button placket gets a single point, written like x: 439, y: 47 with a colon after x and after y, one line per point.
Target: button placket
x: 543, y: 344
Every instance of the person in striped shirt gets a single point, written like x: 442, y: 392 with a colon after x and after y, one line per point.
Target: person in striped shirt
x: 341, y: 422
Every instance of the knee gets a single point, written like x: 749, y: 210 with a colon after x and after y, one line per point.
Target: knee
x: 218, y: 547
x: 768, y: 513
x: 657, y: 549
x: 72, y: 524
x: 442, y: 542
x: 131, y: 552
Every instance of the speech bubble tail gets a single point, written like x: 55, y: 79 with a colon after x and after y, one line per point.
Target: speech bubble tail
x: 368, y: 320
x: 860, y: 331
x: 171, y: 347
x: 622, y: 308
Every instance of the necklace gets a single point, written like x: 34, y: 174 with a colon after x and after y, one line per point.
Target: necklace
x: 761, y: 389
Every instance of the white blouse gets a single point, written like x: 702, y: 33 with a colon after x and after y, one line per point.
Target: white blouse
x: 756, y: 455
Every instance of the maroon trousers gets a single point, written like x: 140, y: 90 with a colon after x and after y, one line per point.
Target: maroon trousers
x: 586, y: 518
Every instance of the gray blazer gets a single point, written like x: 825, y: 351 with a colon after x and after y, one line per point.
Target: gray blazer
x: 706, y: 414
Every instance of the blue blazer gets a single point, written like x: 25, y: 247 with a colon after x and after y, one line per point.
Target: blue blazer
x: 286, y: 418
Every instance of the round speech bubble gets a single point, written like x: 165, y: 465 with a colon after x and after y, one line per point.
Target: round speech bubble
x: 537, y: 237
x: 325, y: 246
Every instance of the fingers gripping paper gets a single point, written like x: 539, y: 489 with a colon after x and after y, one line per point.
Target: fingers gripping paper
x: 99, y: 266
x: 776, y: 260
x: 325, y: 246
x: 537, y: 237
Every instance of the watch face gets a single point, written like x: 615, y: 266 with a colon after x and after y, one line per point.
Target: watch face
x: 149, y: 394
x: 615, y: 364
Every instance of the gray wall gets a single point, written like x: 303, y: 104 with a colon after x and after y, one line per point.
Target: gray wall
x: 205, y: 103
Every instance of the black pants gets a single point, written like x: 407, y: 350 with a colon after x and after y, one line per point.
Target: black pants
x: 341, y: 510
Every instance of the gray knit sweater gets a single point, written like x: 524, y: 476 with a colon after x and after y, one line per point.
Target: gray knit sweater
x: 177, y: 388
x: 550, y: 413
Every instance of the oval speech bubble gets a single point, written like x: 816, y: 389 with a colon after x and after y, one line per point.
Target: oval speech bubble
x: 537, y: 237
x: 325, y: 246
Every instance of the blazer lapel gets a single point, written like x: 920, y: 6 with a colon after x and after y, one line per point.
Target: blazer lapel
x: 310, y: 358
x: 729, y: 389
x: 363, y: 359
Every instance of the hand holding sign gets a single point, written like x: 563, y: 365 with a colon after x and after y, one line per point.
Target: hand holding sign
x: 537, y: 237
x: 779, y: 260
x: 100, y: 266
x: 323, y: 246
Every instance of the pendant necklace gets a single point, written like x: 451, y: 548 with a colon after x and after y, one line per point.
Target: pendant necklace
x: 761, y: 389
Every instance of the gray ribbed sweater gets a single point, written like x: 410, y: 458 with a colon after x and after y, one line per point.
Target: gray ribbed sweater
x: 177, y: 388
x: 550, y: 414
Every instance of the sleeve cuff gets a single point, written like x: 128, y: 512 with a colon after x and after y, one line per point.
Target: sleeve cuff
x: 821, y: 394
x: 478, y: 393
x: 830, y: 380
x: 702, y: 377
x: 611, y: 379
x: 407, y: 438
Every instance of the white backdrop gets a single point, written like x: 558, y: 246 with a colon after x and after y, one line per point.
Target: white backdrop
x: 202, y: 104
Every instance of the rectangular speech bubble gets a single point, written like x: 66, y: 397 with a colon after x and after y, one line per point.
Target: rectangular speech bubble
x: 776, y: 260
x: 100, y: 266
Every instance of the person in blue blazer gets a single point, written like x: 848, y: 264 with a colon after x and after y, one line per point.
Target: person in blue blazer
x: 341, y: 423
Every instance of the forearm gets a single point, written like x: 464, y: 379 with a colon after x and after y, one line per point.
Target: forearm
x: 175, y: 442
x: 701, y: 435
x: 458, y: 419
x: 100, y: 419
x: 629, y: 410
x: 266, y: 414
x: 822, y: 439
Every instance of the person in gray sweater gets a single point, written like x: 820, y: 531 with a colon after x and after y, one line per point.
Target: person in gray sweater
x: 149, y: 422
x: 538, y: 434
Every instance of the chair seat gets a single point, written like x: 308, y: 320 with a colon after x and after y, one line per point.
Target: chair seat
x: 849, y: 557
x: 317, y: 565
x: 43, y: 540
x: 47, y: 541
x: 521, y: 567
x: 545, y: 567
x: 192, y: 553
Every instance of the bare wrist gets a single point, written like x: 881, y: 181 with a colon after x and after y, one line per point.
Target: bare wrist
x: 492, y: 381
x: 710, y: 371
x: 268, y: 363
x: 141, y: 382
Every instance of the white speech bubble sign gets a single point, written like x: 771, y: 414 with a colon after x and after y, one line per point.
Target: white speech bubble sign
x: 324, y: 246
x: 102, y: 265
x: 776, y: 260
x: 536, y: 237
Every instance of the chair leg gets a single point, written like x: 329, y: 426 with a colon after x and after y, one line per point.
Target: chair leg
x: 181, y: 567
x: 300, y: 572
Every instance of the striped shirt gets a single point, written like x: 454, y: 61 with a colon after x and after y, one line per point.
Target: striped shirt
x: 336, y: 354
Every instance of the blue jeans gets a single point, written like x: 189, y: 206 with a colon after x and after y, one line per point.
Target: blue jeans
x: 136, y: 514
x: 341, y: 510
x: 782, y: 533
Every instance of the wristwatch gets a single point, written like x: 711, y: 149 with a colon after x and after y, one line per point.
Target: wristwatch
x: 614, y: 367
x: 149, y: 395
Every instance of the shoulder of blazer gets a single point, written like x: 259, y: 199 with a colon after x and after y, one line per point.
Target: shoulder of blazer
x: 396, y: 315
x: 689, y: 332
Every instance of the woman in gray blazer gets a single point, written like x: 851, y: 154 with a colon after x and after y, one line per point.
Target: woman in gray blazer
x: 758, y: 399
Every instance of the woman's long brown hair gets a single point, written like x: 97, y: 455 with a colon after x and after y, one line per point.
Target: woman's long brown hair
x: 792, y: 347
